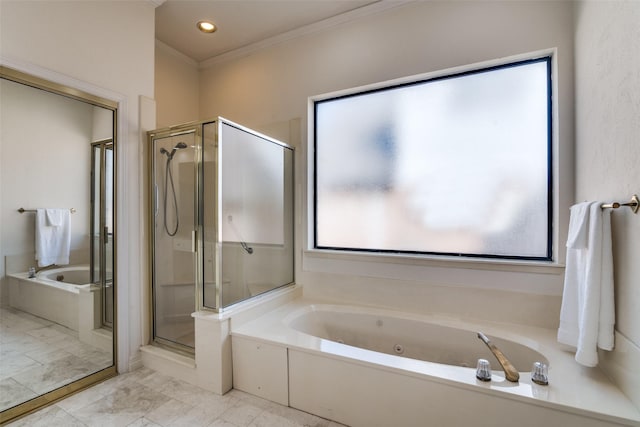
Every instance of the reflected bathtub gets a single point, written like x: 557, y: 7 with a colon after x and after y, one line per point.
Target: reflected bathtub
x: 74, y: 275
x: 53, y: 294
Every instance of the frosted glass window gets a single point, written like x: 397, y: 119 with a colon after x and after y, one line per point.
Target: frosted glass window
x: 456, y: 165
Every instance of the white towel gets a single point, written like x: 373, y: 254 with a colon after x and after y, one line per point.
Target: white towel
x: 587, y: 314
x: 56, y: 217
x: 53, y: 236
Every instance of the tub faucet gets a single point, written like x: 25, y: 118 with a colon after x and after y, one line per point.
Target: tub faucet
x: 46, y: 267
x: 510, y: 372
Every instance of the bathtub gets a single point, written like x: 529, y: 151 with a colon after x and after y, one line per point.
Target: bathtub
x: 53, y: 294
x: 406, y: 337
x: 70, y: 278
x: 371, y: 367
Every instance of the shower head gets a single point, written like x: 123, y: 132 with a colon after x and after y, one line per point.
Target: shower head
x: 178, y: 146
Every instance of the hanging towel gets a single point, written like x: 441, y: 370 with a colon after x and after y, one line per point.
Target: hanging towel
x: 53, y: 236
x: 56, y: 217
x: 587, y: 315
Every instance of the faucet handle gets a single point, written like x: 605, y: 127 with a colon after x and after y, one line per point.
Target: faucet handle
x: 483, y: 370
x: 539, y: 373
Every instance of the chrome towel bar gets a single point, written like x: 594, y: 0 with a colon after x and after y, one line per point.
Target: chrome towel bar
x: 23, y: 210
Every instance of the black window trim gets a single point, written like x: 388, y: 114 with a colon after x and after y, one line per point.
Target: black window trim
x: 548, y: 59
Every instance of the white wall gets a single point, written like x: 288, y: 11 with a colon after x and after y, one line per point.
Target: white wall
x: 109, y: 47
x: 177, y: 87
x: 45, y: 161
x: 273, y: 85
x: 607, y: 38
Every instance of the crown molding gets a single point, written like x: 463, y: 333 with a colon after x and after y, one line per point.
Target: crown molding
x: 156, y: 3
x: 316, y: 27
x: 176, y: 53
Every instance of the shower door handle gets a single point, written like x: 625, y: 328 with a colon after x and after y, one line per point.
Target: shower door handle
x: 155, y: 200
x: 194, y: 240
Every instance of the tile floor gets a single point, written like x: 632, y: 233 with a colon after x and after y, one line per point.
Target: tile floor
x: 39, y: 356
x: 148, y: 398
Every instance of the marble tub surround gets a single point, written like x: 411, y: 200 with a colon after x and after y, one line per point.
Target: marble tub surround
x: 39, y: 356
x: 146, y: 397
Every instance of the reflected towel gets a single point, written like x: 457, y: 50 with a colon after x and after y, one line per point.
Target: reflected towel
x: 56, y: 217
x: 587, y: 314
x: 53, y: 236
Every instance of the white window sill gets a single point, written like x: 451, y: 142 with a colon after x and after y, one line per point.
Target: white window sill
x: 492, y: 264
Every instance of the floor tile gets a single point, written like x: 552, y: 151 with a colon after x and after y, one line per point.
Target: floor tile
x: 13, y: 393
x: 146, y: 398
x: 42, y: 355
x: 49, y: 376
x: 122, y: 407
x: 143, y: 422
x: 168, y: 412
x: 242, y: 414
x: 52, y: 416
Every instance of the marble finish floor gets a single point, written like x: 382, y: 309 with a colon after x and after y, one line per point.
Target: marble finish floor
x: 148, y: 398
x: 37, y: 356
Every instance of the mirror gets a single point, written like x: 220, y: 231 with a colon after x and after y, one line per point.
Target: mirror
x: 57, y: 239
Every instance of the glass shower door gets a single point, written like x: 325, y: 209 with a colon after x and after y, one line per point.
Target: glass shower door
x: 174, y: 188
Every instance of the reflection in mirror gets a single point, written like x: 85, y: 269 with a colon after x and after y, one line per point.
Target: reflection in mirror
x: 102, y: 226
x: 56, y: 274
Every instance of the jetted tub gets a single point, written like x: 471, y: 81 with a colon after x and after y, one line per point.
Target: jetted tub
x: 74, y: 275
x: 407, y: 337
x: 52, y: 294
x: 371, y: 367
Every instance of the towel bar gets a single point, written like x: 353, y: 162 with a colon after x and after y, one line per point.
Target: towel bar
x: 23, y: 210
x: 634, y: 204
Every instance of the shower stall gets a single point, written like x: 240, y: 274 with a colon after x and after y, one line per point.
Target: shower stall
x: 221, y: 225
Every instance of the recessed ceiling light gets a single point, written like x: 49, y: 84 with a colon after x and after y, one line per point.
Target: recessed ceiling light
x: 206, y: 26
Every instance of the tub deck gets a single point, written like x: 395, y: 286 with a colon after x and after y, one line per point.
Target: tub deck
x: 572, y: 389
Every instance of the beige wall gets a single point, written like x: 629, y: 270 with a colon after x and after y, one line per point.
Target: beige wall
x: 109, y: 46
x: 608, y: 135
x: 608, y: 154
x: 177, y: 87
x: 273, y: 84
x: 45, y: 162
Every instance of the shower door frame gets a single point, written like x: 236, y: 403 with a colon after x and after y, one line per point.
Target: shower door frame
x: 198, y: 238
x: 102, y: 146
x: 195, y: 129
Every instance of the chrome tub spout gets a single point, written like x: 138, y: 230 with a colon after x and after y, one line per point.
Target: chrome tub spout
x: 510, y: 372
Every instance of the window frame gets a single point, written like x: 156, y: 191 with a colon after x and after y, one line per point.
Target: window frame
x: 547, y: 56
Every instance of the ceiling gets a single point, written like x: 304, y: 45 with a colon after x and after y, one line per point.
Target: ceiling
x: 240, y: 22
